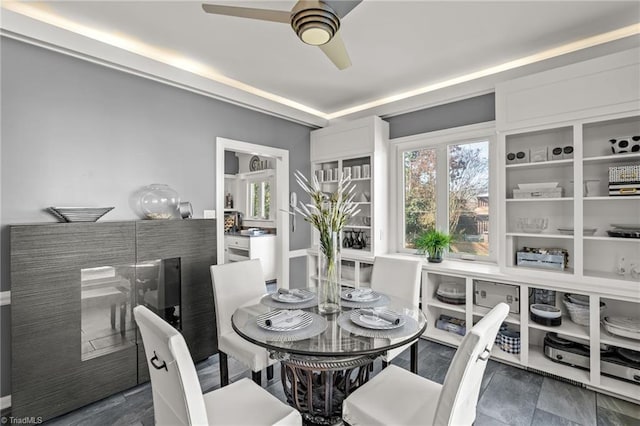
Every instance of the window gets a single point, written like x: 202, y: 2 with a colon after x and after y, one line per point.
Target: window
x: 419, y: 192
x: 446, y: 186
x: 469, y: 197
x: 259, y: 200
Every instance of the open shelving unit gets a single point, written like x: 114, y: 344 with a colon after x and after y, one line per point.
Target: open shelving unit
x: 528, y: 121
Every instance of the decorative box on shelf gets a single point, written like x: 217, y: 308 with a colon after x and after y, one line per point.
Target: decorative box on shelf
x: 547, y: 258
x: 624, y: 180
x: 537, y: 190
x: 537, y: 193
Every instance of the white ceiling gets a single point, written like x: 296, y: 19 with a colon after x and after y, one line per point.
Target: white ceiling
x: 395, y: 46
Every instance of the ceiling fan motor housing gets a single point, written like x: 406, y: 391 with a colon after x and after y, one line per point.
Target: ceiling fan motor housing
x: 315, y: 23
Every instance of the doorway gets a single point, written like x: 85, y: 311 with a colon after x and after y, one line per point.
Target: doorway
x: 280, y: 157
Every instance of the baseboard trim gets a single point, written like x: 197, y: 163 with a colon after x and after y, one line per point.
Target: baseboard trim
x: 5, y: 298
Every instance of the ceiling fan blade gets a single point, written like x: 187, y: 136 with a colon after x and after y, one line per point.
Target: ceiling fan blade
x: 248, y: 12
x: 337, y: 52
x: 342, y: 7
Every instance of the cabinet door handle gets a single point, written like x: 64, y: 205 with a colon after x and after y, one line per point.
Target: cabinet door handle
x: 158, y: 367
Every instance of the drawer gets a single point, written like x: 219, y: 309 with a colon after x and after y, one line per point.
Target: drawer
x: 233, y: 241
x: 236, y: 258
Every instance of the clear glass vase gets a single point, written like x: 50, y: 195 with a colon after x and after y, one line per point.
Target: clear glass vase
x: 329, y: 274
x: 160, y: 201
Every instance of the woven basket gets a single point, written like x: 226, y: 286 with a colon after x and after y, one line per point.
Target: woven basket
x: 580, y: 313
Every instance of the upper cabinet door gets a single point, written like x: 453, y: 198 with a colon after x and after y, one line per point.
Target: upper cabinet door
x: 602, y: 86
x: 348, y: 139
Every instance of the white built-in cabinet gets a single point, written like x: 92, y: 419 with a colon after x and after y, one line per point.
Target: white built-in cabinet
x: 360, y: 147
x: 532, y: 334
x: 580, y: 106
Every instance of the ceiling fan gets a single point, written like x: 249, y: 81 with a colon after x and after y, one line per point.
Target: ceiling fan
x: 316, y: 22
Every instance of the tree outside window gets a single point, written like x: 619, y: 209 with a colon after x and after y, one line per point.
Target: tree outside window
x: 469, y: 198
x: 419, y: 193
x: 468, y: 194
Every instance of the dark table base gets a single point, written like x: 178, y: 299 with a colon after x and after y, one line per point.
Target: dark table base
x: 317, y: 387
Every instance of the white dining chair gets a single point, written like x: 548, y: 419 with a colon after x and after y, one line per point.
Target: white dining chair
x: 177, y: 395
x: 237, y: 284
x: 424, y: 402
x: 398, y: 278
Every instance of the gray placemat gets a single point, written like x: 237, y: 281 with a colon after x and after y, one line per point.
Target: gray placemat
x: 316, y: 327
x: 269, y: 301
x: 383, y: 301
x: 410, y: 327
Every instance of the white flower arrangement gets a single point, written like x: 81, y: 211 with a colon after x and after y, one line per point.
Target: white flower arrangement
x: 327, y: 212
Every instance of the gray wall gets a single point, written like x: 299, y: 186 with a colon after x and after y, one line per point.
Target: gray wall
x: 76, y: 133
x: 478, y: 109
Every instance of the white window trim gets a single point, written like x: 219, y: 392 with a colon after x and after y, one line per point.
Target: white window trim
x: 439, y: 140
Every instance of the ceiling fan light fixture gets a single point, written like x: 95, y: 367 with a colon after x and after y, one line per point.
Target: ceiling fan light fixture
x: 315, y: 34
x: 315, y: 25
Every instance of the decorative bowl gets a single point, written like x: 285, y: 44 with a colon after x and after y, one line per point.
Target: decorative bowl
x: 532, y: 225
x: 585, y: 231
x: 79, y: 214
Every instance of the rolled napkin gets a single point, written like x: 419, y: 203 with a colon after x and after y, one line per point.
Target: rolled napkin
x: 385, y: 315
x: 282, y: 316
x: 293, y: 293
x: 359, y: 292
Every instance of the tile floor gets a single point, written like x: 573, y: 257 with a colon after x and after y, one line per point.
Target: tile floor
x: 509, y: 396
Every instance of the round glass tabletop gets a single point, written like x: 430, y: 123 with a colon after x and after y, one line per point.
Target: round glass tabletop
x: 341, y: 337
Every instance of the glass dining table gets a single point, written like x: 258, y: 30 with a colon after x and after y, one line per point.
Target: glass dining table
x: 326, y: 357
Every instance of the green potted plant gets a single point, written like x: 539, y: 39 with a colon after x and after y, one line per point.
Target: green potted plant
x: 433, y: 243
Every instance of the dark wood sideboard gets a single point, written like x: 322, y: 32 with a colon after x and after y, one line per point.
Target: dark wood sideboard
x: 50, y: 374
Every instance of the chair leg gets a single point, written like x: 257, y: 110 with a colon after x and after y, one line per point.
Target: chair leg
x: 414, y: 358
x: 270, y: 372
x: 257, y: 377
x: 385, y: 364
x: 224, y: 369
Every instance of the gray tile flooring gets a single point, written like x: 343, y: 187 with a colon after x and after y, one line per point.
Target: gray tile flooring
x: 509, y: 396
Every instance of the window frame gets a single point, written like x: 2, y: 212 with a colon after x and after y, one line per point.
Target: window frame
x: 440, y: 140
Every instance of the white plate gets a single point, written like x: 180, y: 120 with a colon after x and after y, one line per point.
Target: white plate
x: 367, y: 296
x: 293, y: 322
x: 627, y: 323
x: 622, y: 332
x: 530, y: 186
x: 368, y: 321
x: 631, y: 226
x: 290, y: 298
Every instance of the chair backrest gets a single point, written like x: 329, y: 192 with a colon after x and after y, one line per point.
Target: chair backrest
x: 397, y: 277
x: 461, y: 388
x: 235, y: 284
x: 177, y: 396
